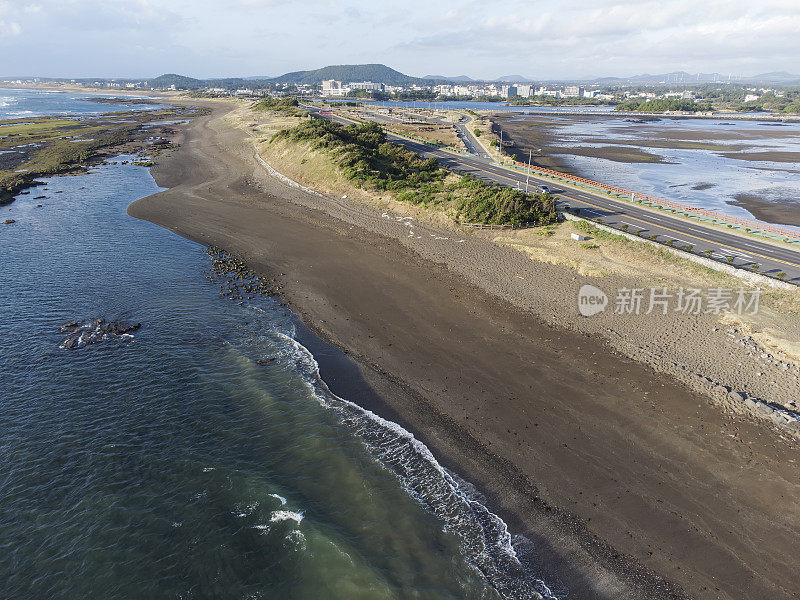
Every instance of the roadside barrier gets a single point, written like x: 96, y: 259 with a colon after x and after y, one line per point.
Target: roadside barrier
x: 663, y: 202
x: 630, y: 195
x: 489, y: 226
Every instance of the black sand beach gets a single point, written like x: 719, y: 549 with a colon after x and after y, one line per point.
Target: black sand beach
x: 609, y: 468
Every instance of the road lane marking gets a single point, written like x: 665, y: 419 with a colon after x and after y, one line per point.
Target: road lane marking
x: 675, y: 230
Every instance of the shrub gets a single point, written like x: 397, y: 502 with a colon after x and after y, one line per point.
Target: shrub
x: 365, y: 157
x: 283, y: 105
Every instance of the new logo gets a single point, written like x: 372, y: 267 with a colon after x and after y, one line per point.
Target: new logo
x: 591, y: 300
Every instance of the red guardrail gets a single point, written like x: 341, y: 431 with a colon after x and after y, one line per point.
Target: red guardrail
x: 712, y: 214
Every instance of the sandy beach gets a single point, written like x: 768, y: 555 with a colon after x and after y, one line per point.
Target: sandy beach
x: 629, y: 482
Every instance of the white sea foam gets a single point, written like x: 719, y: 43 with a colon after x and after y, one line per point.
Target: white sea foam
x: 281, y: 498
x: 286, y: 515
x: 485, y: 539
x: 244, y: 510
x: 296, y: 537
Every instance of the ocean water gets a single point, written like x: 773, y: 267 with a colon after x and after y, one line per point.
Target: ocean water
x: 22, y: 103
x: 166, y: 462
x: 706, y: 178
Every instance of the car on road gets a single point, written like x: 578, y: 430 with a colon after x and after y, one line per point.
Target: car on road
x: 544, y: 189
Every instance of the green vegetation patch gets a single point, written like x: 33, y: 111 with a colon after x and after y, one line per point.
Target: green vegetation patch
x: 661, y: 105
x: 288, y: 106
x: 365, y: 157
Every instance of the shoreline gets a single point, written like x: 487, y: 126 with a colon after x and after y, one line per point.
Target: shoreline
x: 582, y: 399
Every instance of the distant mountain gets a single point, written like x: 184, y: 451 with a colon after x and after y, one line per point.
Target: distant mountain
x: 648, y: 79
x: 513, y: 78
x: 682, y: 77
x: 458, y: 78
x: 346, y: 73
x: 181, y: 82
x: 774, y: 77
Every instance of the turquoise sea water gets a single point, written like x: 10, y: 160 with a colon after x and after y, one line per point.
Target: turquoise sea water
x: 168, y: 463
x: 22, y: 103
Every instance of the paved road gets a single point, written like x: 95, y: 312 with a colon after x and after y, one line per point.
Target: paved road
x: 470, y: 141
x: 744, y: 250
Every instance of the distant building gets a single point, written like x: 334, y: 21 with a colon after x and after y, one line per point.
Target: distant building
x: 542, y: 91
x: 507, y: 91
x: 751, y: 97
x: 573, y: 91
x: 525, y: 91
x: 365, y: 85
x: 333, y: 88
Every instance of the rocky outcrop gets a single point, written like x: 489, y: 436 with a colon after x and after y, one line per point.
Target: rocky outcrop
x: 81, y: 334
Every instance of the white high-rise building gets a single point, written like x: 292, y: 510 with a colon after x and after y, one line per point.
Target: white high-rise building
x: 525, y: 91
x: 333, y: 88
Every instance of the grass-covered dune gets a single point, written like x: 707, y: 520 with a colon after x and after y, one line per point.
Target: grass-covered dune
x: 288, y: 106
x: 366, y: 158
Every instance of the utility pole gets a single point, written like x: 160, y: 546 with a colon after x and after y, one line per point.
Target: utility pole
x: 528, y: 176
x: 501, y: 145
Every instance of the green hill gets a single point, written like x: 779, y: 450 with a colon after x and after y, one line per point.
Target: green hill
x: 346, y: 73
x: 377, y: 73
x: 181, y: 82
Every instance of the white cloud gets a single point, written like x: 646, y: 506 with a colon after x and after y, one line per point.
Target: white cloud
x: 9, y: 28
x: 539, y: 38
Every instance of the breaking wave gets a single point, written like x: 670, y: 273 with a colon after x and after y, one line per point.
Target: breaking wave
x: 485, y: 539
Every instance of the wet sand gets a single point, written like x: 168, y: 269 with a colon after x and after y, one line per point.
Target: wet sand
x: 618, y: 475
x: 787, y: 212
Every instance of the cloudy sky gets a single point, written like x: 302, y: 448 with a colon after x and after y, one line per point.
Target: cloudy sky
x: 483, y: 39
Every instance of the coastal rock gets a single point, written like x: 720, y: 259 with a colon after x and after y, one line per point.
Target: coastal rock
x: 736, y: 396
x: 777, y: 418
x: 764, y: 409
x: 82, y: 334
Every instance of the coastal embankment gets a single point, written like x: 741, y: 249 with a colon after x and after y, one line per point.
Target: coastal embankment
x: 627, y: 482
